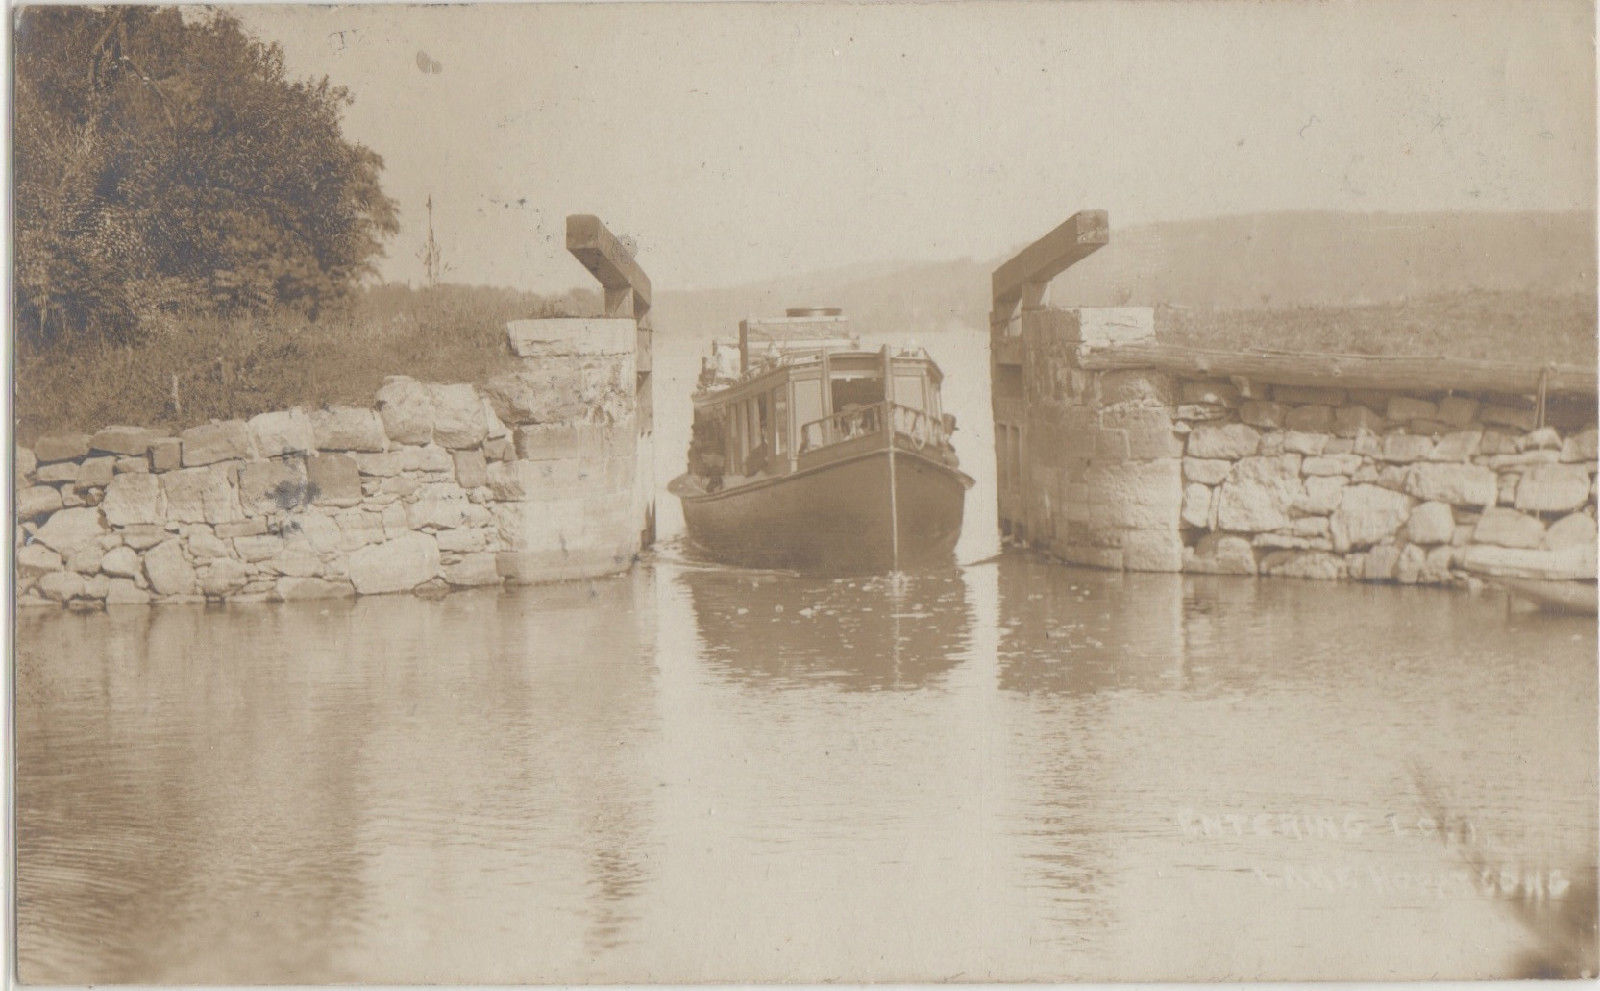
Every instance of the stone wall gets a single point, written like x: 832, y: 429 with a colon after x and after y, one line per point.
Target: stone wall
x: 1155, y: 471
x: 527, y: 477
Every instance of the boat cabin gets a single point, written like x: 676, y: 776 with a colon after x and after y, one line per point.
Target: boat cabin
x: 798, y: 408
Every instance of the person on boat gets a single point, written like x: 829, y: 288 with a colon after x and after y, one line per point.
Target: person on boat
x: 756, y: 463
x: 712, y: 463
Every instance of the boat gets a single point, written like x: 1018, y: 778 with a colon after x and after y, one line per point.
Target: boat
x: 1563, y: 596
x: 812, y: 453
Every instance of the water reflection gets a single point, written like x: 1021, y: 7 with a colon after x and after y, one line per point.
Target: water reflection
x: 855, y: 634
x: 1012, y: 771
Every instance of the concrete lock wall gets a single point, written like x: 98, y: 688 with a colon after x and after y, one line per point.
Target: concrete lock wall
x: 528, y: 477
x: 1145, y: 470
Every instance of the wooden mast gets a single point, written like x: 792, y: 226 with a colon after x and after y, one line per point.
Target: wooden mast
x: 888, y: 430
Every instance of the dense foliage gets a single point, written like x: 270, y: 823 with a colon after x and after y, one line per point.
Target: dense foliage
x: 164, y: 164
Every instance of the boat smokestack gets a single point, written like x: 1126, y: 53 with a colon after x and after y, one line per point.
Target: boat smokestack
x: 814, y: 311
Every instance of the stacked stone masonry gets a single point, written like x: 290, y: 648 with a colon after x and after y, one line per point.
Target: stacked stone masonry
x: 529, y: 477
x: 1147, y: 471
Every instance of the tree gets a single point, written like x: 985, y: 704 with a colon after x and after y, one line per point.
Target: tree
x: 164, y: 162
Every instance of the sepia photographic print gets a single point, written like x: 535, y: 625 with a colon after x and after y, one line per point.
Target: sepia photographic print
x: 800, y: 493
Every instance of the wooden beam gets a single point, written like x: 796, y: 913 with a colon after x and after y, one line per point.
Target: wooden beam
x: 1083, y: 233
x: 626, y: 285
x: 1346, y: 371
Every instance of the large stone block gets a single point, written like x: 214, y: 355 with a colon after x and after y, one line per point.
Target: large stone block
x: 473, y: 570
x: 571, y: 337
x: 295, y: 589
x: 523, y: 480
x: 222, y: 576
x: 168, y: 571
x: 348, y: 428
x: 472, y: 471
x: 122, y: 440
x: 133, y: 499
x: 1431, y: 523
x: 1206, y: 471
x: 1196, y: 505
x: 1152, y: 550
x: 1457, y: 445
x: 1574, y: 530
x: 396, y: 565
x: 283, y: 432
x: 1230, y: 441
x: 1543, y: 439
x: 1262, y: 414
x: 95, y: 473
x: 166, y: 454
x: 125, y: 592
x: 267, y: 487
x: 406, y: 409
x: 1148, y: 483
x: 1316, y: 565
x: 439, y: 509
x: 225, y: 440
x: 1508, y: 528
x: 37, y: 500
x: 1405, y: 447
x: 1456, y: 484
x: 1521, y: 418
x: 1403, y: 408
x: 59, y: 471
x: 61, y: 447
x: 1301, y: 442
x: 1574, y: 563
x: 69, y: 529
x: 1553, y: 488
x: 1259, y: 493
x: 260, y: 547
x: 334, y: 479
x: 458, y: 416
x: 1366, y: 515
x: 36, y: 559
x: 1322, y: 494
x: 1309, y: 419
x: 1215, y: 393
x: 1580, y: 447
x: 121, y: 562
x: 1348, y: 421
x: 201, y: 495
x: 563, y: 390
x: 62, y: 586
x: 1458, y: 411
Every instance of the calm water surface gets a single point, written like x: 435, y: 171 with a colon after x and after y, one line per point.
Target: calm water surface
x: 1011, y: 770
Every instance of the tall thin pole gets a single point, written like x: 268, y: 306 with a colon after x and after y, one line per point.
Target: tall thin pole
x: 888, y: 417
x: 894, y: 501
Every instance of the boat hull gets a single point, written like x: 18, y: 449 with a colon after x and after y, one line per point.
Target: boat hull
x: 836, y: 517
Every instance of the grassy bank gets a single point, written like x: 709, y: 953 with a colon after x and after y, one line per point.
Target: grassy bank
x: 186, y: 372
x: 1499, y: 326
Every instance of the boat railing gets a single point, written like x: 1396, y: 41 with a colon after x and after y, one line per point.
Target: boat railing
x: 861, y: 421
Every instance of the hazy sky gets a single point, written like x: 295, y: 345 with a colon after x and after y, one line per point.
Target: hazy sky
x: 736, y: 142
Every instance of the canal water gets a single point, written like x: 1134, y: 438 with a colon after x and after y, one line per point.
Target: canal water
x: 1011, y: 770
x: 1007, y: 770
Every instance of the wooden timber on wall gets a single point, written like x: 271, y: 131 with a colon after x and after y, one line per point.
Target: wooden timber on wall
x: 1411, y: 374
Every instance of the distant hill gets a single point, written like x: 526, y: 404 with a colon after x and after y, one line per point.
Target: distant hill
x: 1272, y: 261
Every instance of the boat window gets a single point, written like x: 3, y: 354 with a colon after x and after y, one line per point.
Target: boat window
x: 908, y: 389
x: 856, y: 392
x: 736, y: 438
x: 807, y: 410
x: 780, y: 420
